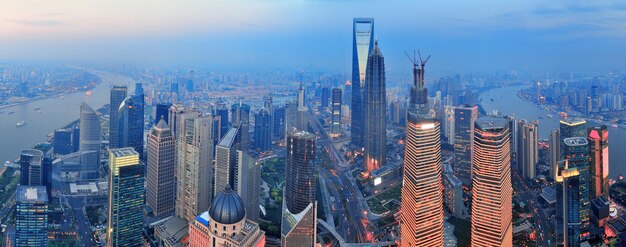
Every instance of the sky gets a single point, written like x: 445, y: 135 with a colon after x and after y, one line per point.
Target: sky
x: 461, y: 36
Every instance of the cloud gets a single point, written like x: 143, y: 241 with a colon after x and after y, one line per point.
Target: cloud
x: 39, y: 23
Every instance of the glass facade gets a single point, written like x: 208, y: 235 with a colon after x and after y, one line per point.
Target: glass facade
x: 363, y: 43
x: 31, y: 216
x: 375, y: 111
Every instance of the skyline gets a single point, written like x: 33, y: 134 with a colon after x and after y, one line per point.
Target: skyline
x: 315, y: 34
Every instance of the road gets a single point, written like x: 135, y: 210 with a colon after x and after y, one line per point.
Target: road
x: 530, y: 197
x: 82, y: 223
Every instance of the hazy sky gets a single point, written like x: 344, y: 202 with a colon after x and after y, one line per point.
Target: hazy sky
x: 462, y: 36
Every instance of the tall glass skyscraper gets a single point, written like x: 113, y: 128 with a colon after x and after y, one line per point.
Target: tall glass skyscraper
x: 90, y: 139
x: 363, y: 43
x: 299, y: 205
x: 240, y: 113
x: 375, y: 99
x: 492, y: 190
x: 118, y: 94
x: 31, y: 216
x: 263, y: 130
x: 336, y: 112
x: 162, y: 111
x: 567, y: 206
x: 161, y: 170
x: 62, y: 141
x: 126, y: 197
x: 599, y: 157
x: 131, y: 123
x: 464, y: 118
x: 421, y: 209
x: 576, y: 152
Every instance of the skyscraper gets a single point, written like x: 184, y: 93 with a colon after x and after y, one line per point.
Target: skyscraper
x: 336, y: 112
x: 529, y: 149
x: 464, y: 118
x: 131, y: 123
x: 299, y: 205
x: 226, y: 160
x: 492, y: 189
x: 118, y: 94
x: 291, y: 114
x: 555, y: 151
x: 362, y: 45
x: 194, y: 171
x: 302, y: 113
x: 572, y: 128
x: 568, y: 221
x: 32, y: 168
x: 599, y: 157
x: 222, y: 111
x: 162, y: 111
x: 62, y: 141
x: 263, y: 130
x: 375, y: 111
x: 161, y: 170
x: 126, y: 197
x: 174, y: 114
x: 576, y: 152
x: 249, y: 184
x: 90, y: 139
x: 279, y: 122
x: 240, y: 114
x: 31, y: 216
x: 76, y: 138
x: 421, y: 209
x: 268, y: 104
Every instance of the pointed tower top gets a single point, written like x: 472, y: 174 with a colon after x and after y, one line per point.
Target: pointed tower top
x: 162, y: 124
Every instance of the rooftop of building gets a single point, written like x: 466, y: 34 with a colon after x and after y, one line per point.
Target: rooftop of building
x: 172, y: 230
x: 229, y: 138
x: 576, y: 141
x: 572, y: 121
x: 227, y: 207
x: 123, y: 152
x: 31, y: 194
x: 491, y: 123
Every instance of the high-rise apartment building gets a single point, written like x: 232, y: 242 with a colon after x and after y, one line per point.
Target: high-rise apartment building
x: 299, y: 205
x: 194, y: 173
x: 161, y: 170
x: 126, y: 198
x: 90, y: 139
x: 492, y: 190
x: 421, y: 209
x: 599, y: 158
x: 31, y: 216
x: 362, y: 45
x: 464, y: 118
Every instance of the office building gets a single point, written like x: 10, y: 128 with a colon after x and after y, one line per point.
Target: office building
x: 325, y: 98
x: 76, y: 138
x: 118, y: 95
x: 302, y: 112
x: 421, y: 209
x: 226, y: 160
x: 291, y: 114
x: 240, y: 114
x: 31, y: 216
x: 336, y: 112
x: 375, y: 114
x: 90, y: 139
x: 222, y: 112
x: 225, y: 224
x: 174, y: 114
x: 194, y: 173
x: 362, y: 45
x: 32, y: 168
x: 599, y: 158
x: 568, y: 219
x: 555, y: 151
x: 268, y: 104
x: 453, y: 195
x: 162, y: 111
x: 528, y: 149
x: 131, y: 122
x: 299, y: 205
x: 248, y: 183
x: 279, y: 122
x: 492, y: 190
x: 62, y: 142
x: 263, y: 130
x: 464, y: 118
x: 572, y: 128
x: 576, y: 152
x: 126, y: 198
x: 161, y: 170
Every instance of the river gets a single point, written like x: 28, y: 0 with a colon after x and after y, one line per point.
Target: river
x: 505, y: 100
x: 55, y: 113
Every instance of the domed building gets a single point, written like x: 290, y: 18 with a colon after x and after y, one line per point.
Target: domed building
x: 225, y: 224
